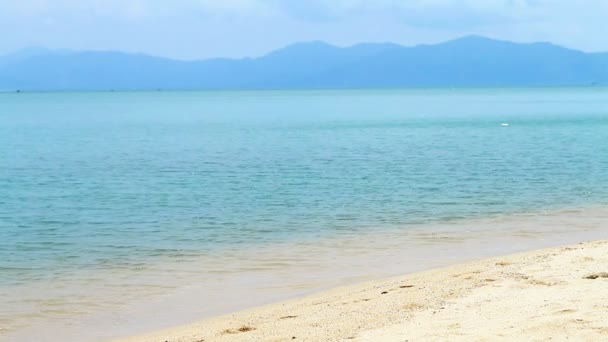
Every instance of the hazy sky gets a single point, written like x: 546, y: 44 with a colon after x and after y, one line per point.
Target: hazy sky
x: 234, y: 28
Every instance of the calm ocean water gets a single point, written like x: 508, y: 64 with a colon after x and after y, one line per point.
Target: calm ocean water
x: 99, y: 187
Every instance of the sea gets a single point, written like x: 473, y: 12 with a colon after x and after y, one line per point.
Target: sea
x: 125, y: 212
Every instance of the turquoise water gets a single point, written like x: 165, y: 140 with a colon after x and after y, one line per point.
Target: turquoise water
x: 121, y: 181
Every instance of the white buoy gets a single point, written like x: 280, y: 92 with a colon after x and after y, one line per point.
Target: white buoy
x: 504, y: 124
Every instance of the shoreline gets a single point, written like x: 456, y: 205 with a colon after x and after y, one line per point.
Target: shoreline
x: 548, y: 293
x: 245, y: 280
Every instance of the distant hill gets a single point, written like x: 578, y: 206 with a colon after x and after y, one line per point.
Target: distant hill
x: 468, y: 61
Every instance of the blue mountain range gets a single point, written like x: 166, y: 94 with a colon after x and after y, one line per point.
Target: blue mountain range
x: 468, y: 61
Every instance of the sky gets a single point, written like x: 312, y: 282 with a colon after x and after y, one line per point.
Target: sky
x: 198, y: 29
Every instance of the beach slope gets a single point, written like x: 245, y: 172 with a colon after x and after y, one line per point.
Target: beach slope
x: 550, y: 294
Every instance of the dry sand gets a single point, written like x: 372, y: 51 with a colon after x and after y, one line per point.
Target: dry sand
x: 552, y: 294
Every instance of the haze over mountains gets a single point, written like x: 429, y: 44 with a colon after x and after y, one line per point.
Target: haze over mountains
x: 468, y: 61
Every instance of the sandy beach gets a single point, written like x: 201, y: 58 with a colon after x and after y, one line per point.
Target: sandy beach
x: 549, y: 294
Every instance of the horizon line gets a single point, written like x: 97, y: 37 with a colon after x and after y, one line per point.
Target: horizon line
x: 218, y: 90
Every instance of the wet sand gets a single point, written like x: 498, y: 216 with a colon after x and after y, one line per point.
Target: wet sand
x: 178, y: 292
x: 549, y: 294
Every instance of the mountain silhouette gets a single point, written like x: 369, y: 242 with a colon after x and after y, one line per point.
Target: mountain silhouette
x: 468, y: 61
